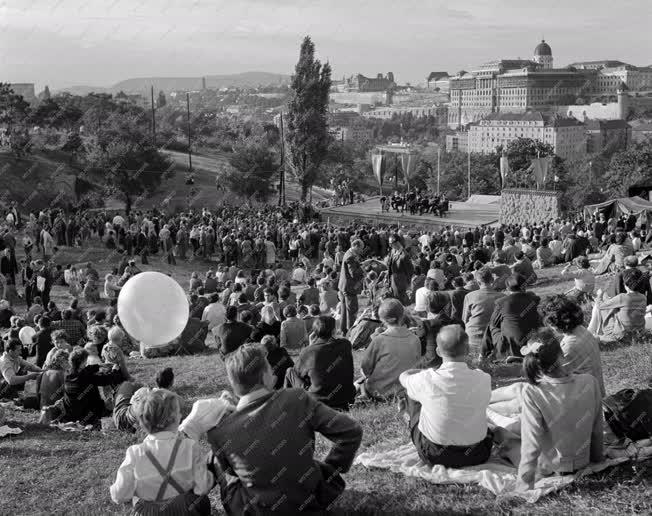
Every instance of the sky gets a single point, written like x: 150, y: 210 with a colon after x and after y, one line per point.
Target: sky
x: 100, y: 42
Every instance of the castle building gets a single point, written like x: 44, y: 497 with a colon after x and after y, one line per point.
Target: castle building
x: 566, y: 135
x: 543, y: 55
x: 24, y: 89
x: 360, y: 83
x: 515, y: 85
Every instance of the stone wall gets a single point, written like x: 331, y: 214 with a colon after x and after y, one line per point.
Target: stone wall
x: 518, y: 206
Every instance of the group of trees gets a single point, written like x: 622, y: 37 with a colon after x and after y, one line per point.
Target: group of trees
x: 110, y: 144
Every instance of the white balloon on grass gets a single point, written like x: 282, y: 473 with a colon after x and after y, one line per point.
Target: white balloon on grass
x: 153, y: 308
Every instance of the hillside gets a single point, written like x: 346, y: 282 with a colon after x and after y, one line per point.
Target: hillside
x: 36, y: 180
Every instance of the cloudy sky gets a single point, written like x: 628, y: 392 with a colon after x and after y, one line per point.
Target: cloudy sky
x: 100, y: 42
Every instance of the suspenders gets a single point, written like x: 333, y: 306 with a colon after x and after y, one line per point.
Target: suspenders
x: 166, y: 473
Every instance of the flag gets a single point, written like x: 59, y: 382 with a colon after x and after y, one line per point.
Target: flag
x: 504, y: 167
x: 378, y: 165
x: 540, y: 166
x: 408, y: 162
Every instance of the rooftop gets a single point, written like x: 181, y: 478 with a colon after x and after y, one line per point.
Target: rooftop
x: 435, y: 76
x: 548, y: 119
x: 606, y: 124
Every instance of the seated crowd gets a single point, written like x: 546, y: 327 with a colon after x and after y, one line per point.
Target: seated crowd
x: 287, y: 343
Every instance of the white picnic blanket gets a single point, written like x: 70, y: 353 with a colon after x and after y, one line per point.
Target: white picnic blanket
x: 497, y: 475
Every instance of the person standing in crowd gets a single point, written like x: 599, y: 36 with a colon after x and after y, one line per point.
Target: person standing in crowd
x: 350, y: 285
x: 399, y: 267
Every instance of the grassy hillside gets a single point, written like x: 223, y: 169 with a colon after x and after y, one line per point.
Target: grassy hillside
x: 46, y: 471
x: 36, y: 180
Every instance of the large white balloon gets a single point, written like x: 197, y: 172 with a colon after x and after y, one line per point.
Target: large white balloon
x: 153, y: 308
x: 25, y: 335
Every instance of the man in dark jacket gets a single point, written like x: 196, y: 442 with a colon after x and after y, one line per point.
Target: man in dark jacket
x: 325, y: 367
x: 233, y: 333
x: 515, y: 317
x: 350, y: 284
x: 265, y: 449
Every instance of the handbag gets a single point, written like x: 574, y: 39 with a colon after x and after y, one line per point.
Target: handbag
x: 629, y: 413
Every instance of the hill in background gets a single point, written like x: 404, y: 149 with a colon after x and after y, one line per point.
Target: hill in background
x: 167, y: 84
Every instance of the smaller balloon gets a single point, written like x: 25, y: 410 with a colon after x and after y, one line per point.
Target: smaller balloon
x: 26, y: 334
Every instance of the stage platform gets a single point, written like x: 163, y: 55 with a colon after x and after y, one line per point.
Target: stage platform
x: 460, y: 215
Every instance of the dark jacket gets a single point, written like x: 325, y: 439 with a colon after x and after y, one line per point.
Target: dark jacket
x: 81, y: 397
x: 351, y: 274
x: 231, y: 335
x: 327, y: 368
x: 515, y: 317
x: 42, y: 345
x: 268, y: 444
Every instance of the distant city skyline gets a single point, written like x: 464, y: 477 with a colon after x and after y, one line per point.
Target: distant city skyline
x: 65, y: 43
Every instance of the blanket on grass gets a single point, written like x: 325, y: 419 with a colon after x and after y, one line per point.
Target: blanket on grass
x: 497, y: 475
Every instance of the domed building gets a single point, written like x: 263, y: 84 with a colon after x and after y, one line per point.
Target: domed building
x: 543, y: 55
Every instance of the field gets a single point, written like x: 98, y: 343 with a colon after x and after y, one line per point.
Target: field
x: 45, y: 471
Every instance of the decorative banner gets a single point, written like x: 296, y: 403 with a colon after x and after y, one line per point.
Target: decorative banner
x: 540, y: 166
x: 504, y: 167
x: 408, y: 163
x: 378, y: 165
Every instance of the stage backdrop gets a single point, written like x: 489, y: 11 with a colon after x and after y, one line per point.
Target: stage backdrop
x: 518, y: 206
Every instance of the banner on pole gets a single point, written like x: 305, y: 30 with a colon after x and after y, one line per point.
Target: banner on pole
x: 408, y: 164
x: 540, y: 167
x: 378, y: 165
x: 504, y: 167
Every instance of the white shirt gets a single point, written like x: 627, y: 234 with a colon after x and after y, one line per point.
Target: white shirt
x: 421, y: 299
x: 137, y: 476
x: 555, y: 247
x: 215, y: 314
x: 454, y: 401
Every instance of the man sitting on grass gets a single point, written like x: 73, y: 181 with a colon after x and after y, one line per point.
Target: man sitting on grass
x: 447, y: 407
x: 265, y: 448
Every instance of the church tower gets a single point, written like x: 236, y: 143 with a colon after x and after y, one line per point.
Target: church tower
x: 543, y: 55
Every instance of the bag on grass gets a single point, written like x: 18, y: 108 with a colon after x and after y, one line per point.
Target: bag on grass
x: 629, y: 413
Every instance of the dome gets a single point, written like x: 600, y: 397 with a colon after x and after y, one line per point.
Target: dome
x: 543, y: 49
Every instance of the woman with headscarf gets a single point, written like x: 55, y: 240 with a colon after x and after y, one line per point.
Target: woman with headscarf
x: 269, y: 325
x: 91, y: 288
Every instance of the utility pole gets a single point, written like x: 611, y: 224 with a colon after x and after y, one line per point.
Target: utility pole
x: 189, y: 151
x: 153, y: 119
x: 281, y: 183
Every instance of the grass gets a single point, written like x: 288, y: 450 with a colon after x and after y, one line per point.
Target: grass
x: 45, y: 471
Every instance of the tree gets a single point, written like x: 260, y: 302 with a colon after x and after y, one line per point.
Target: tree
x: 14, y: 110
x: 520, y: 153
x: 73, y: 145
x: 161, y: 102
x: 628, y: 168
x: 123, y: 158
x: 253, y: 167
x: 307, y: 130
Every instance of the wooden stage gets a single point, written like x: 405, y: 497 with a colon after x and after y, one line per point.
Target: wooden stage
x: 460, y: 215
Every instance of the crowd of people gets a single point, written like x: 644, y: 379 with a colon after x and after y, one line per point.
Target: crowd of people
x: 280, y: 296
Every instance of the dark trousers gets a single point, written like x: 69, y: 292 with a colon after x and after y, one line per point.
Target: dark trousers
x: 121, y: 404
x: 143, y: 256
x: 238, y: 501
x: 449, y: 456
x: 294, y: 381
x: 348, y: 311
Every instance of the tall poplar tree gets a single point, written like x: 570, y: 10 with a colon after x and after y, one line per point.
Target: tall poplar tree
x: 307, y: 129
